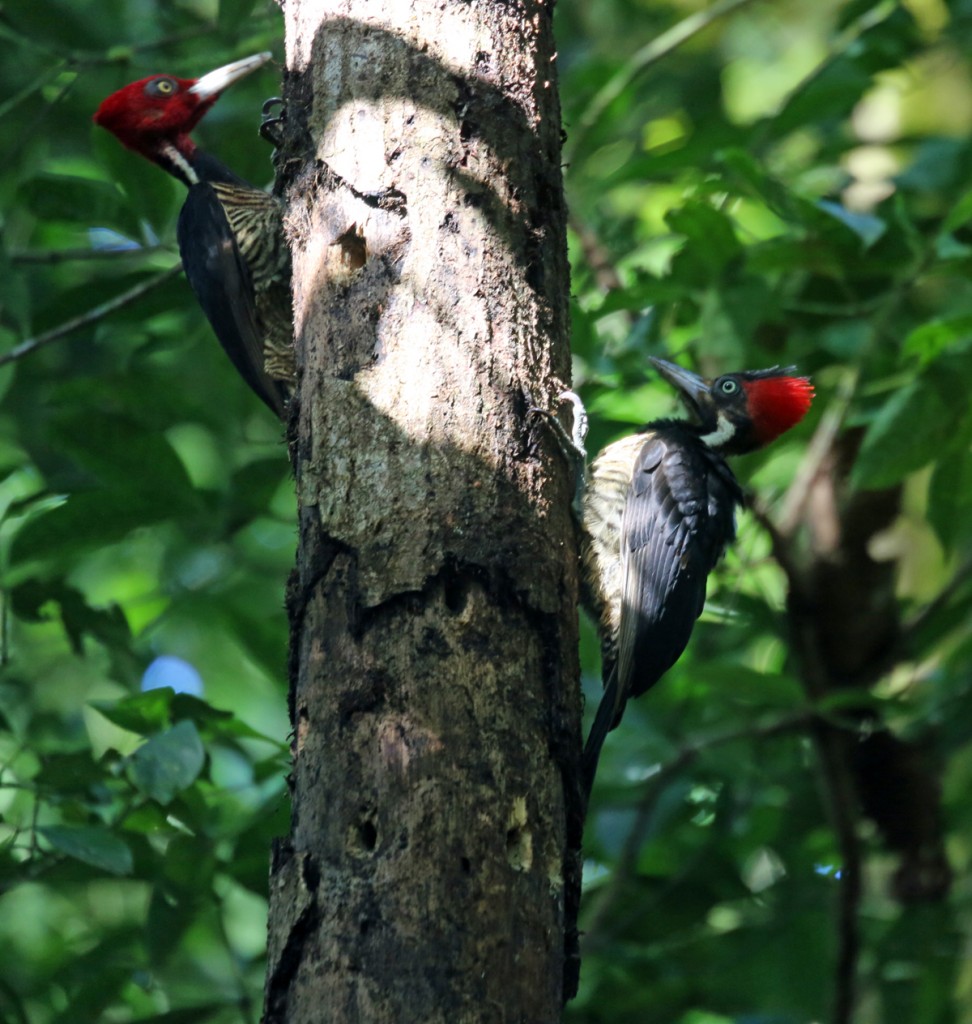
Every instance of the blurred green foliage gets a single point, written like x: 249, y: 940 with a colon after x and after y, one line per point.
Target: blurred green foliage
x: 148, y: 512
x: 788, y: 184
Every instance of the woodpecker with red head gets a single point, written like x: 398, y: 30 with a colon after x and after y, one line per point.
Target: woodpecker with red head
x: 658, y: 513
x: 230, y: 234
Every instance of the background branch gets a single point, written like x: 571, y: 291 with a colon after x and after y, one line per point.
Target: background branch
x: 30, y: 345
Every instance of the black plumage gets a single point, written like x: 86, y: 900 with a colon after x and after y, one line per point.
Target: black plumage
x: 230, y: 234
x: 678, y: 516
x: 228, y: 285
x: 658, y: 513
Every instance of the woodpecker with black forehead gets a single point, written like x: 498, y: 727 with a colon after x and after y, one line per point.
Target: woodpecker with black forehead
x: 230, y: 234
x: 658, y: 513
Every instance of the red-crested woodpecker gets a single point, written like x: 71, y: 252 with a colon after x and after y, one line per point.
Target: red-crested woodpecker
x: 230, y: 234
x: 658, y: 512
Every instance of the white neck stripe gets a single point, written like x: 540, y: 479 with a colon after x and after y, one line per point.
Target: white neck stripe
x: 173, y: 155
x: 723, y: 434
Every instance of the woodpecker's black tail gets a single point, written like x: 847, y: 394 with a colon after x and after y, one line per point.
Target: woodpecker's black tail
x: 607, y: 717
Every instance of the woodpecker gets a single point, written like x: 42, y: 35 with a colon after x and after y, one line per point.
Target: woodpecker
x: 658, y: 511
x: 230, y: 234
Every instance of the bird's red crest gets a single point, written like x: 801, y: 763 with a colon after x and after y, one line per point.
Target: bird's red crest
x: 777, y: 403
x: 140, y: 118
x: 155, y: 115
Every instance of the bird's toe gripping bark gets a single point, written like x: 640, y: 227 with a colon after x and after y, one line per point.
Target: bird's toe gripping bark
x: 274, y: 112
x: 578, y: 434
x: 570, y: 444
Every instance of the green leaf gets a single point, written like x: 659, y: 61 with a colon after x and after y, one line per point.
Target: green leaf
x: 960, y: 213
x: 215, y: 721
x: 846, y: 338
x: 80, y: 619
x: 87, y: 201
x: 91, y: 844
x: 232, y: 12
x: 169, y: 918
x: 917, y: 424
x: 827, y: 221
x: 144, y: 713
x: 145, y: 481
x: 122, y: 453
x: 928, y: 341
x: 750, y: 174
x: 647, y: 290
x: 253, y: 487
x: 950, y: 498
x: 867, y: 227
x: 715, y: 240
x: 168, y: 762
x: 69, y: 774
x: 147, y: 193
x: 834, y: 90
x: 831, y: 93
x: 62, y: 24
x: 939, y: 164
x: 730, y: 316
x: 86, y: 521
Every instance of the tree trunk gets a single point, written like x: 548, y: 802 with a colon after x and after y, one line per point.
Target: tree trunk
x: 429, y: 875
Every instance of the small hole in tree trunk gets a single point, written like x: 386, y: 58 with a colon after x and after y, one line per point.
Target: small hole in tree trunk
x: 363, y: 834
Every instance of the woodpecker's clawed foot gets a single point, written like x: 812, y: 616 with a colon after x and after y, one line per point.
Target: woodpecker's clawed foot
x: 274, y: 112
x: 571, y: 444
x: 578, y: 433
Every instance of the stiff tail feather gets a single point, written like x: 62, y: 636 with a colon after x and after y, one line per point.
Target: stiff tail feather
x: 607, y: 717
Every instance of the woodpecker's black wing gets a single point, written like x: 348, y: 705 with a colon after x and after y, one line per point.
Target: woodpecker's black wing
x: 673, y: 531
x: 223, y: 285
x: 679, y: 515
x: 677, y: 521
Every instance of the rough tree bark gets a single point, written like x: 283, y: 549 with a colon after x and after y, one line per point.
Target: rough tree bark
x: 429, y: 875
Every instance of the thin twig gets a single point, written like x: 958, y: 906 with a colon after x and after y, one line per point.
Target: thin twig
x: 596, y: 255
x: 859, y: 307
x: 846, y: 41
x: 12, y: 34
x: 649, y: 54
x: 25, y: 348
x: 83, y: 59
x: 959, y: 578
x: 628, y: 857
x: 69, y: 255
x: 27, y: 91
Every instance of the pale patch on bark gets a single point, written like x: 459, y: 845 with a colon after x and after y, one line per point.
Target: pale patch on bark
x: 434, y: 612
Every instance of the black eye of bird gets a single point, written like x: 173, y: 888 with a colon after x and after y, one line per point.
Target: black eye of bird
x: 728, y: 386
x: 160, y: 87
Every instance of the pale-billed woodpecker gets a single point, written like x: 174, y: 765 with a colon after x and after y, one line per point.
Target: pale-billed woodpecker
x: 658, y: 513
x: 230, y: 234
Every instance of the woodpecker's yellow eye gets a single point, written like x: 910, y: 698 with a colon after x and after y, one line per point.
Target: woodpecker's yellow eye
x: 728, y: 386
x: 160, y: 87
